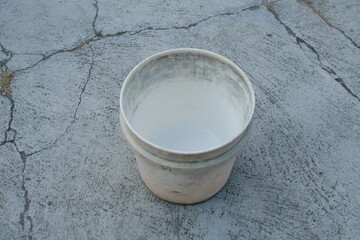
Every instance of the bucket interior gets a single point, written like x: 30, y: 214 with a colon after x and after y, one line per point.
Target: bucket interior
x: 186, y: 102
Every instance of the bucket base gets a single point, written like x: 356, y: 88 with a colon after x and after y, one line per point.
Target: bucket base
x: 184, y: 186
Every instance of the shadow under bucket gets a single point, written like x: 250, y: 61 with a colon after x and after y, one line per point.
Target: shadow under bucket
x: 186, y: 113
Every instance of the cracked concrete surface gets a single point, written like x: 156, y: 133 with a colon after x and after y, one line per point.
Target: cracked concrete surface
x: 11, y: 194
x: 346, y: 23
x: 320, y: 36
x: 5, y: 106
x: 68, y: 173
x: 44, y: 26
x: 127, y: 15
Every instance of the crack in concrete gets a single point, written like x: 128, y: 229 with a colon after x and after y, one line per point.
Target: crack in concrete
x: 24, y: 213
x: 49, y: 56
x: 97, y: 33
x: 346, y: 36
x: 186, y: 27
x: 99, y: 36
x: 8, y: 54
x: 11, y: 118
x: 87, y: 81
x: 31, y: 54
x: 299, y: 41
x: 54, y: 143
x: 31, y: 227
x: 77, y: 107
x: 9, y: 128
x: 308, y: 3
x: 342, y: 83
x: 5, y: 51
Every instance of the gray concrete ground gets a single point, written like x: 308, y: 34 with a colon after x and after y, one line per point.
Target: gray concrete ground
x: 66, y: 171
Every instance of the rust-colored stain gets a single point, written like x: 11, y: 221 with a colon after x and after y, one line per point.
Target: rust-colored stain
x: 319, y: 13
x: 5, y: 81
x: 84, y: 42
x: 269, y: 6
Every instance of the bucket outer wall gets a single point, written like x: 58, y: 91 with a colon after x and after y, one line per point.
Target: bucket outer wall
x: 184, y: 186
x: 186, y: 182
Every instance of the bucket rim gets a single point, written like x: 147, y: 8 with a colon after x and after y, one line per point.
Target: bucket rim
x: 189, y: 155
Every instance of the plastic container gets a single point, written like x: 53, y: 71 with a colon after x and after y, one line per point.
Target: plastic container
x: 186, y: 112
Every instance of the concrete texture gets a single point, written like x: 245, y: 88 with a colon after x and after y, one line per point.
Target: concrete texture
x: 67, y: 172
x: 128, y: 16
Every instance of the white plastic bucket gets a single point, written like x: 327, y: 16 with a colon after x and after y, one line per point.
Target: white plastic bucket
x: 186, y: 112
